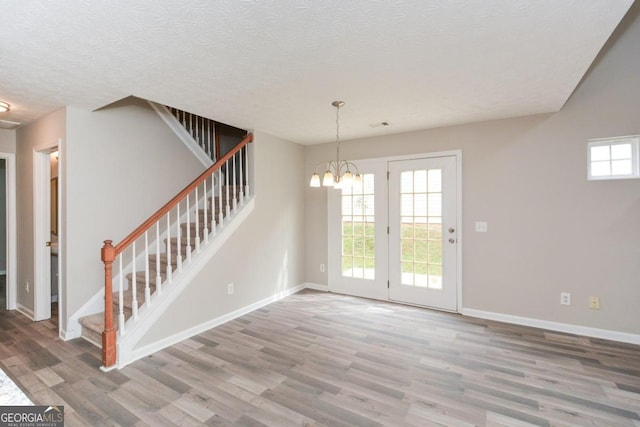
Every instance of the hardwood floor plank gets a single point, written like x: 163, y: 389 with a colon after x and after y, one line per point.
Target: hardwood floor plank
x: 320, y: 359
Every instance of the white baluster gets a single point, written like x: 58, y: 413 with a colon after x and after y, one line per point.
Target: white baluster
x: 213, y: 203
x: 209, y: 139
x: 235, y: 190
x: 206, y: 222
x: 246, y: 170
x: 121, y: 298
x: 198, y: 132
x: 188, y: 249
x: 197, y: 215
x: 179, y: 236
x: 213, y: 141
x: 226, y: 181
x: 169, y: 268
x: 221, y: 212
x: 134, y: 284
x: 147, y: 289
x: 241, y: 174
x: 158, y: 276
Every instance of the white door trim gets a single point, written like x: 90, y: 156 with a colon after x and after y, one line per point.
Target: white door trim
x: 11, y: 249
x: 42, y: 232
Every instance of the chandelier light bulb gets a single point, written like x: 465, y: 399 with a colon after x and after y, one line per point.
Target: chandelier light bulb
x: 4, y: 107
x: 347, y: 178
x: 328, y: 181
x: 315, y: 180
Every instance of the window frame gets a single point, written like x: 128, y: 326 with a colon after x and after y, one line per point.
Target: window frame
x: 633, y: 140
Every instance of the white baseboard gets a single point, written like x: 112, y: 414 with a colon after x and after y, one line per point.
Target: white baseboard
x: 26, y: 311
x: 555, y: 326
x: 144, y: 351
x: 316, y: 286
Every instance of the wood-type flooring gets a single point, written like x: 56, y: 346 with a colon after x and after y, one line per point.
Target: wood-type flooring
x: 321, y: 359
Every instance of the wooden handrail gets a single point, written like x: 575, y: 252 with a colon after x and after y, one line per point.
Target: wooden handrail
x: 135, y: 234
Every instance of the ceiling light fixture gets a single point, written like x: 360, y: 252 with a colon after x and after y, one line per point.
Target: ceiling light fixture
x: 4, y: 107
x: 338, y: 172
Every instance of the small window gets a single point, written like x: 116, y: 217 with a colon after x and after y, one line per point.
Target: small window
x: 613, y: 158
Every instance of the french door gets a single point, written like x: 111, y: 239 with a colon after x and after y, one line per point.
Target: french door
x: 423, y: 232
x: 357, y: 227
x: 394, y: 237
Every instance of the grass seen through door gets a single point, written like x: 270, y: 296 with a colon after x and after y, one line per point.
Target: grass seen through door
x: 421, y: 246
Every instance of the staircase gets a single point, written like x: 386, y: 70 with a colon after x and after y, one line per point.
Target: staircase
x: 93, y: 325
x: 149, y: 268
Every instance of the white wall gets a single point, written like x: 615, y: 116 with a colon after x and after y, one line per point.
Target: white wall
x: 117, y: 166
x: 37, y: 136
x: 550, y: 230
x: 7, y: 145
x: 7, y: 141
x: 122, y: 163
x: 3, y: 216
x: 266, y: 254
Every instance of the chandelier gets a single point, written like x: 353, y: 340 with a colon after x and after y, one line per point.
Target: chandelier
x: 338, y: 172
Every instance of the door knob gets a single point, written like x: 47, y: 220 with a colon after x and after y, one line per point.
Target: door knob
x: 451, y: 229
x: 452, y: 240
x: 48, y: 243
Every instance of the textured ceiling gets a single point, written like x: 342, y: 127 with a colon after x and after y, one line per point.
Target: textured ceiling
x: 277, y: 65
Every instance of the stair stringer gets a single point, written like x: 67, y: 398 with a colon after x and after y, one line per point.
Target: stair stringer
x: 148, y: 314
x: 175, y: 125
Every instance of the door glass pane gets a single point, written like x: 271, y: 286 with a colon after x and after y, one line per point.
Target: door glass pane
x: 358, y: 230
x: 421, y: 228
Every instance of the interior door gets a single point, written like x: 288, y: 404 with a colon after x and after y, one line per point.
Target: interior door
x: 358, y: 260
x: 423, y: 232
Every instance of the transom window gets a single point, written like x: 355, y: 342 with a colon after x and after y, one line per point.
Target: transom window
x: 613, y: 158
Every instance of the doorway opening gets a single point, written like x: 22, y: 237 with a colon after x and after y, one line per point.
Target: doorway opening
x: 46, y: 234
x: 8, y: 260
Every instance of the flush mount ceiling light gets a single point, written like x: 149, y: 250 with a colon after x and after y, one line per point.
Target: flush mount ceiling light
x: 4, y: 107
x: 338, y: 172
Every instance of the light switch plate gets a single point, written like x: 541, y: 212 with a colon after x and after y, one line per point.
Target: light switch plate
x: 481, y: 227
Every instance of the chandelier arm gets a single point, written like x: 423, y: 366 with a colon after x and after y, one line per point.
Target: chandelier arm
x: 351, y: 164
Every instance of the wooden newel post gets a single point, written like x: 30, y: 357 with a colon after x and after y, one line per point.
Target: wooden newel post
x: 109, y: 334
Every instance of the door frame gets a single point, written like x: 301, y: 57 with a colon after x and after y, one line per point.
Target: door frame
x: 42, y: 232
x: 11, y: 229
x: 457, y: 154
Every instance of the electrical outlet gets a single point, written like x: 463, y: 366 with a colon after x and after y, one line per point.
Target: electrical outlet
x: 594, y: 303
x: 565, y: 298
x: 26, y: 287
x: 321, y: 268
x: 230, y: 288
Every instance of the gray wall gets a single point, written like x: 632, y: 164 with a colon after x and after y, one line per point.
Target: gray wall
x: 265, y: 255
x: 549, y: 229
